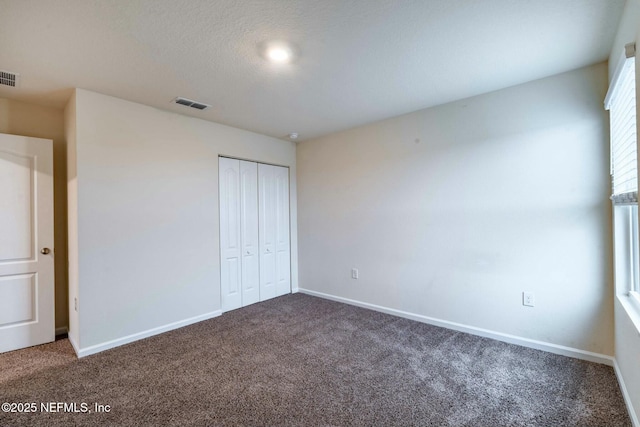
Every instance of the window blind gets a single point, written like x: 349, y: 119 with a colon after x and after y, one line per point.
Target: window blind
x: 621, y: 103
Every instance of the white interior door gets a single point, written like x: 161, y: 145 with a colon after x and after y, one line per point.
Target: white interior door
x: 267, y: 230
x: 249, y: 232
x: 230, y: 241
x: 283, y: 256
x: 26, y: 242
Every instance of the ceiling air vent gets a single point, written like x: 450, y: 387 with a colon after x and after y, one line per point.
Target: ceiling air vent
x: 7, y: 78
x: 190, y: 103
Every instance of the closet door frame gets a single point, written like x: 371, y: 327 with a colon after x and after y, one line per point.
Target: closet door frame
x: 279, y: 263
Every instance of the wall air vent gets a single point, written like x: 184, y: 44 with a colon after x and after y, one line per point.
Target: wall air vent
x: 190, y: 103
x: 7, y: 78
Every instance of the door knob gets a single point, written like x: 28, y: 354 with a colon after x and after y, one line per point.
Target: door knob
x: 45, y: 251
x: 248, y: 253
x: 268, y: 250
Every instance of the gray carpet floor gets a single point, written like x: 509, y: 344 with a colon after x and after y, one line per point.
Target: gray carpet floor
x: 303, y: 361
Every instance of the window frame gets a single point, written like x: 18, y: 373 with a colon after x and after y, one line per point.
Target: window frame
x: 626, y: 223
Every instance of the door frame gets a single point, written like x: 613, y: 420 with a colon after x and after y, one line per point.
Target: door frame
x: 219, y: 225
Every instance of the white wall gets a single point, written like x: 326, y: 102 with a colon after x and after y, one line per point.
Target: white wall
x: 148, y: 232
x: 626, y: 33
x: 627, y: 356
x: 627, y: 336
x: 451, y: 212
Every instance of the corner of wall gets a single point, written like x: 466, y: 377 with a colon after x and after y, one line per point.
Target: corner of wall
x: 70, y: 131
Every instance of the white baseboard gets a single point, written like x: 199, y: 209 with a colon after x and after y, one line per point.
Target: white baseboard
x: 625, y: 395
x: 511, y: 339
x: 82, y: 352
x: 295, y: 290
x: 61, y: 331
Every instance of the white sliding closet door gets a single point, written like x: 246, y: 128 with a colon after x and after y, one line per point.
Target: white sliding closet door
x: 267, y: 232
x: 249, y: 232
x: 230, y: 240
x: 283, y: 253
x: 254, y: 232
x: 273, y: 188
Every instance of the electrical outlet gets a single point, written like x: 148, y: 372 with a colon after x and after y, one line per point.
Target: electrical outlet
x: 528, y: 299
x: 354, y: 273
x: 75, y: 304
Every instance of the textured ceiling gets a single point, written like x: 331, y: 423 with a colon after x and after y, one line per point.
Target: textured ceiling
x: 359, y: 60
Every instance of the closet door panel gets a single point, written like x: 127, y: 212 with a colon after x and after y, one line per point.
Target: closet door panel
x: 230, y: 234
x: 283, y: 257
x: 267, y: 231
x: 249, y: 232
